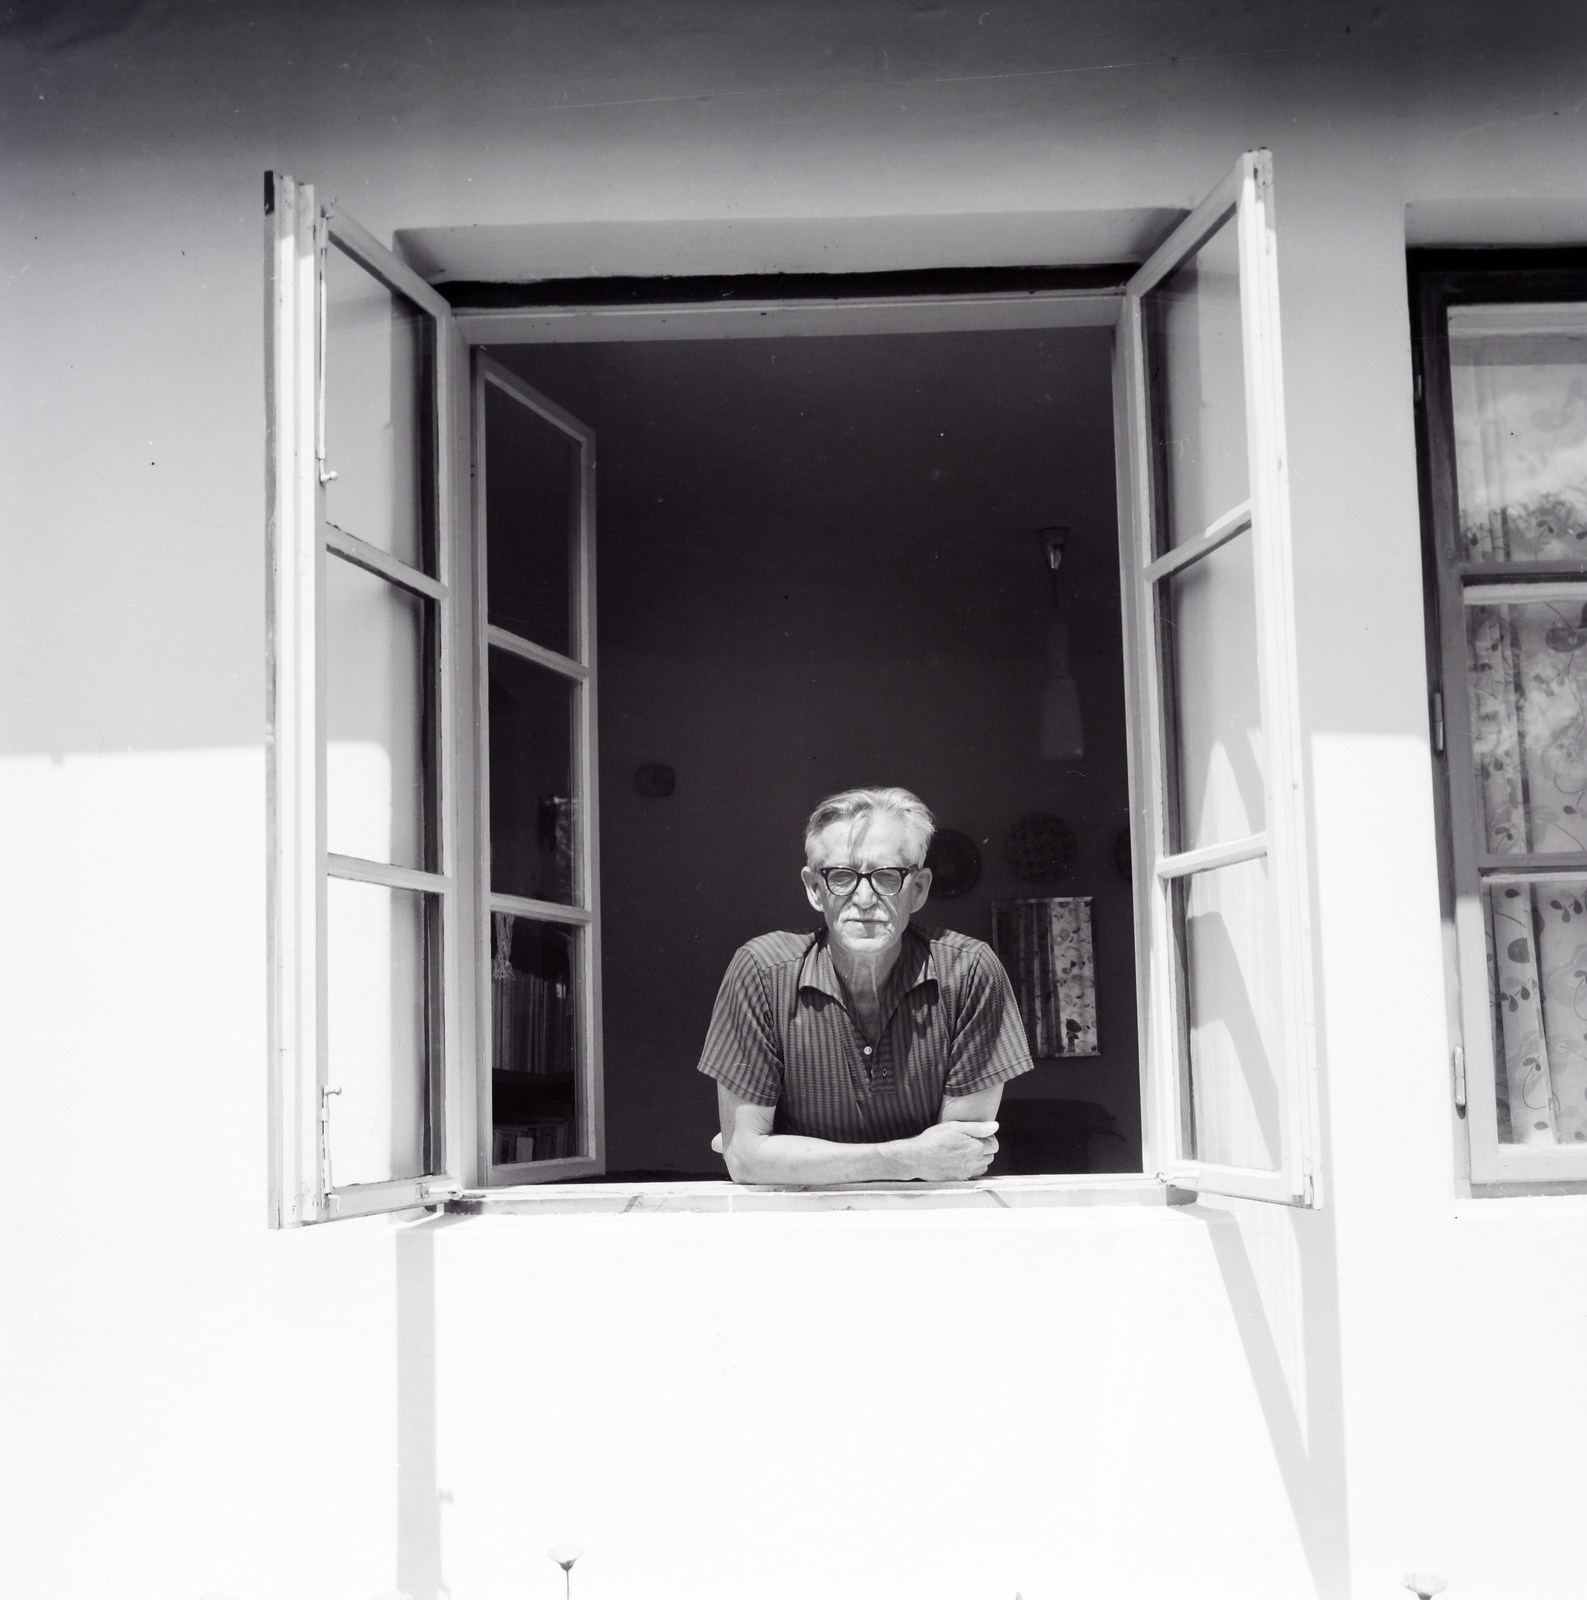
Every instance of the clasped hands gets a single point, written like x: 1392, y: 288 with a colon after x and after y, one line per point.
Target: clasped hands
x: 947, y: 1152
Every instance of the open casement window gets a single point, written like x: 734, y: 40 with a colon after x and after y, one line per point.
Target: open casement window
x: 1504, y: 367
x: 540, y: 1114
x: 364, y: 907
x: 1219, y: 821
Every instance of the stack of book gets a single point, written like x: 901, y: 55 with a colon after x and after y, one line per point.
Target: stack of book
x: 531, y: 1021
x: 542, y: 1139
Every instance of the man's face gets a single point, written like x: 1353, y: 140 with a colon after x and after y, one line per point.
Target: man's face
x: 865, y: 922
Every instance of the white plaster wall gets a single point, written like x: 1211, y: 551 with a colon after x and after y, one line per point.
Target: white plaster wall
x: 1225, y: 1401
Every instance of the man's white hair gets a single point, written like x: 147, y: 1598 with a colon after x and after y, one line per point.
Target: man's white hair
x: 909, y: 808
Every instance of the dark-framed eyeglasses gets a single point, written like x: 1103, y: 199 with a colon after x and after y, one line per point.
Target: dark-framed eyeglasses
x: 886, y: 881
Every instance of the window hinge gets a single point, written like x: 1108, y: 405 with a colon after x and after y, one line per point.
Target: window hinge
x: 1438, y: 721
x: 1458, y: 1058
x: 325, y: 1139
x: 1308, y: 1183
x: 1178, y: 1180
x: 1418, y: 386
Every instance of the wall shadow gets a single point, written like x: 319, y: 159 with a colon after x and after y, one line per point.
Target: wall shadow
x: 418, y: 1493
x: 1310, y: 1454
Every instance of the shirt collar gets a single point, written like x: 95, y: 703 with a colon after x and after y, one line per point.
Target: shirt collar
x: 916, y: 964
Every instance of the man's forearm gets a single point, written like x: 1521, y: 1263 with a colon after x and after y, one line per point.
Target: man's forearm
x: 791, y: 1158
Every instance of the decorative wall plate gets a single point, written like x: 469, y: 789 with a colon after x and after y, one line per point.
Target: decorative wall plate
x: 654, y: 780
x: 955, y: 864
x: 1040, y: 848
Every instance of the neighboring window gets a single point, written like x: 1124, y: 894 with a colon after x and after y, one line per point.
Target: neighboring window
x: 1225, y: 930
x: 1503, y: 372
x: 363, y: 884
x: 539, y: 951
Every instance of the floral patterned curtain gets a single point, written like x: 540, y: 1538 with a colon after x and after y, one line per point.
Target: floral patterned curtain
x: 1520, y: 410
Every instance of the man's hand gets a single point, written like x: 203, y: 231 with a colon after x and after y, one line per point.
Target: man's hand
x: 949, y: 1151
x: 960, y: 1146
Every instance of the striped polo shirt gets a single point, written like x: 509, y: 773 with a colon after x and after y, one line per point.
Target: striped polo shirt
x: 782, y: 1035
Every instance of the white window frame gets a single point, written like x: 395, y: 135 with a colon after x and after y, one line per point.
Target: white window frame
x: 583, y: 915
x: 1494, y: 1167
x: 1246, y: 196
x: 299, y: 231
x: 296, y: 828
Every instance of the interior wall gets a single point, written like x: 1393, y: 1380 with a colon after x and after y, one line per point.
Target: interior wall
x: 818, y: 567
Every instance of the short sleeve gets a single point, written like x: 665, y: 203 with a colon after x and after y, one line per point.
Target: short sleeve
x: 741, y: 1047
x: 989, y: 1043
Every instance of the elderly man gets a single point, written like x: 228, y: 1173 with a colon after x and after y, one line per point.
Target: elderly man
x: 871, y: 1049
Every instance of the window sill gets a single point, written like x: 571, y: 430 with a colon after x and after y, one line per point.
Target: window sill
x: 1006, y: 1194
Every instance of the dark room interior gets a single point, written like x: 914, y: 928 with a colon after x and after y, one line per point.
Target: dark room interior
x: 818, y: 565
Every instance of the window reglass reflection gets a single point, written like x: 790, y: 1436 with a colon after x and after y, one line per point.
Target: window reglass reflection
x: 534, y: 1040
x: 1518, y: 380
x: 1230, y: 978
x: 378, y: 432
x: 377, y: 1046
x: 1215, y: 698
x: 531, y: 519
x: 1195, y: 359
x: 378, y: 734
x: 533, y: 812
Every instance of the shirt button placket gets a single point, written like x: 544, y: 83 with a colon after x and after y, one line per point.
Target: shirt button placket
x: 867, y: 1055
x: 881, y: 1060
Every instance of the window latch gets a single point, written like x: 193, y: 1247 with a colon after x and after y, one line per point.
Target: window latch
x: 1438, y: 721
x: 322, y: 235
x: 1458, y: 1060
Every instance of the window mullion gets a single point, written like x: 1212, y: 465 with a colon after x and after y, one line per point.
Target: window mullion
x: 1280, y: 701
x: 1476, y: 1039
x: 1229, y: 526
x: 549, y: 659
x: 293, y: 725
x: 1533, y: 868
x: 541, y: 910
x: 391, y: 876
x: 1159, y: 1003
x: 1229, y: 853
x: 363, y: 554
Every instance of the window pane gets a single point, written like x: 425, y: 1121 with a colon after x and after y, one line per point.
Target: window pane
x: 1537, y: 974
x: 377, y: 1048
x: 378, y: 719
x: 1230, y: 958
x: 1518, y: 376
x: 378, y: 426
x: 1527, y: 667
x: 534, y: 1040
x: 1213, y: 698
x: 534, y: 817
x: 531, y: 521
x: 1196, y: 373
